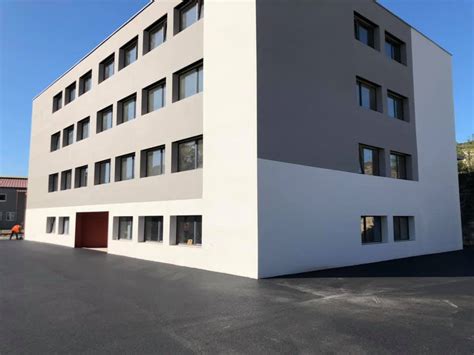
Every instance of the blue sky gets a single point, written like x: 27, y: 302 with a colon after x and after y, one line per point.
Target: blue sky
x: 40, y: 40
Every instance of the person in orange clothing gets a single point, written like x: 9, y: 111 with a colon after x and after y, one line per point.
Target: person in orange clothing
x: 16, y: 229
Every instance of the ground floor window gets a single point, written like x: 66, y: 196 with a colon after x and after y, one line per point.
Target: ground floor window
x: 50, y: 224
x: 371, y: 229
x: 10, y: 216
x: 188, y: 230
x: 125, y: 228
x: 153, y: 230
x: 401, y: 228
x: 63, y: 225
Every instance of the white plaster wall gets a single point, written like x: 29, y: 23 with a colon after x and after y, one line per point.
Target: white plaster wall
x: 309, y: 218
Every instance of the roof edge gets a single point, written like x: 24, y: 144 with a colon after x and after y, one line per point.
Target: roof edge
x: 93, y: 49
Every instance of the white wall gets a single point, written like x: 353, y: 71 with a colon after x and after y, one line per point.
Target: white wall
x: 309, y: 218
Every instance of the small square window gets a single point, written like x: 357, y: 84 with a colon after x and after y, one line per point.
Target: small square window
x: 369, y: 160
x: 102, y: 172
x: 189, y: 230
x: 81, y: 177
x: 128, y: 53
x: 152, y: 229
x: 57, y: 101
x: 152, y: 161
x: 3, y: 197
x: 106, y: 68
x: 68, y: 136
x: 126, y: 109
x: 55, y: 141
x: 70, y: 93
x: 63, y: 225
x: 398, y: 166
x: 366, y: 93
x: 85, y: 83
x: 154, y: 35
x: 395, y: 105
x: 154, y: 97
x: 401, y: 228
x: 365, y: 31
x: 124, y: 228
x: 124, y: 167
x: 66, y: 179
x: 10, y: 216
x: 189, y: 13
x: 371, y: 229
x: 104, y: 119
x: 83, y: 129
x: 393, y: 48
x: 190, y: 81
x: 50, y: 224
x: 53, y: 182
x: 189, y: 154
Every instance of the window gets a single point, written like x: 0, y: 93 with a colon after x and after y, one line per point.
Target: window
x: 153, y: 162
x: 395, y: 105
x: 83, y: 129
x: 190, y: 154
x: 50, y: 224
x: 153, y: 229
x: 70, y: 93
x: 3, y: 197
x: 401, y: 228
x: 393, y: 47
x: 104, y: 119
x: 57, y: 101
x: 190, y: 81
x: 53, y: 182
x: 81, y: 177
x: 124, y: 167
x: 371, y: 229
x: 55, y: 141
x: 102, y: 172
x: 106, y: 68
x: 369, y: 160
x: 153, y: 97
x: 366, y: 94
x: 128, y: 53
x: 63, y: 225
x: 85, y: 82
x: 364, y: 30
x: 398, y: 165
x: 126, y: 109
x: 188, y: 230
x: 190, y: 13
x: 154, y: 35
x: 66, y: 177
x: 68, y: 136
x: 10, y: 216
x: 125, y: 228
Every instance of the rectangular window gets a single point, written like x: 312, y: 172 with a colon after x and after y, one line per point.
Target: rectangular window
x: 154, y: 35
x: 366, y: 94
x: 83, y: 129
x: 401, y: 228
x: 153, y: 97
x: 70, y: 93
x: 66, y: 178
x: 398, y: 166
x: 63, y: 225
x: 190, y: 81
x: 369, y: 160
x: 190, y: 13
x: 393, y: 47
x: 125, y: 225
x: 68, y: 136
x: 57, y: 101
x: 188, y: 230
x: 153, y: 161
x: 371, y: 229
x: 124, y: 167
x: 81, y: 177
x: 10, y: 216
x: 85, y: 83
x: 190, y: 154
x: 55, y: 141
x: 126, y: 109
x: 364, y: 30
x: 395, y: 105
x: 104, y: 119
x: 106, y: 68
x: 153, y: 229
x: 102, y: 172
x: 128, y: 53
x: 53, y: 182
x: 3, y: 197
x: 50, y: 224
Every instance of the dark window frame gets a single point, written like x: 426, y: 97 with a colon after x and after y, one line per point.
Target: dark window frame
x: 57, y: 101
x: 196, y: 66
x: 66, y: 184
x: 50, y: 225
x: 155, y: 27
x: 396, y: 48
x: 61, y: 225
x: 133, y: 43
x: 196, y: 220
x: 66, y: 135
x: 80, y: 129
x: 397, y: 227
x: 146, y: 221
x: 119, y: 227
x: 53, y: 182
x: 100, y: 114
x: 78, y: 181
x: 360, y: 83
x: 82, y: 82
x: 196, y: 140
x: 118, y: 167
x: 144, y: 161
x: 145, y: 96
x: 98, y: 177
x: 404, y: 175
x: 369, y: 26
x: 105, y: 63
x: 397, y: 97
x: 120, y: 108
x: 186, y: 5
x: 55, y: 138
x: 364, y: 232
x: 70, y: 89
x: 376, y: 162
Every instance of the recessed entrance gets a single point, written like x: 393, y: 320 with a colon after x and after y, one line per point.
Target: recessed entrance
x: 92, y: 229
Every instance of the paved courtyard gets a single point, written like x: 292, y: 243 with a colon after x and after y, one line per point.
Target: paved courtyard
x: 61, y: 300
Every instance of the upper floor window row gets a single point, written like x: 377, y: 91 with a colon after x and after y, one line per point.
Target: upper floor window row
x: 68, y: 135
x: 368, y: 33
x: 70, y: 93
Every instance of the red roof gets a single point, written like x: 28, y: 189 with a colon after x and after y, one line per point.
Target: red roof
x: 13, y: 182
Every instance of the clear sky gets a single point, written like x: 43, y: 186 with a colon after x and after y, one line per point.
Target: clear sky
x: 41, y: 39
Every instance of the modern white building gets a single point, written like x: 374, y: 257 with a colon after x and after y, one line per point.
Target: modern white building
x: 250, y: 137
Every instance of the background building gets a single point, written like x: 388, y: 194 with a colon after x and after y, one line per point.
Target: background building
x: 240, y: 144
x: 12, y: 201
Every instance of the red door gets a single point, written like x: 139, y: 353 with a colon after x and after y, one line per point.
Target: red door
x: 92, y: 229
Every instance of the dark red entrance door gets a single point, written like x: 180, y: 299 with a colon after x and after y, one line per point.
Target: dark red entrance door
x: 91, y: 229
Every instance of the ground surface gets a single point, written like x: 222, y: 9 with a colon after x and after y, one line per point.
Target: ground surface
x: 60, y: 300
